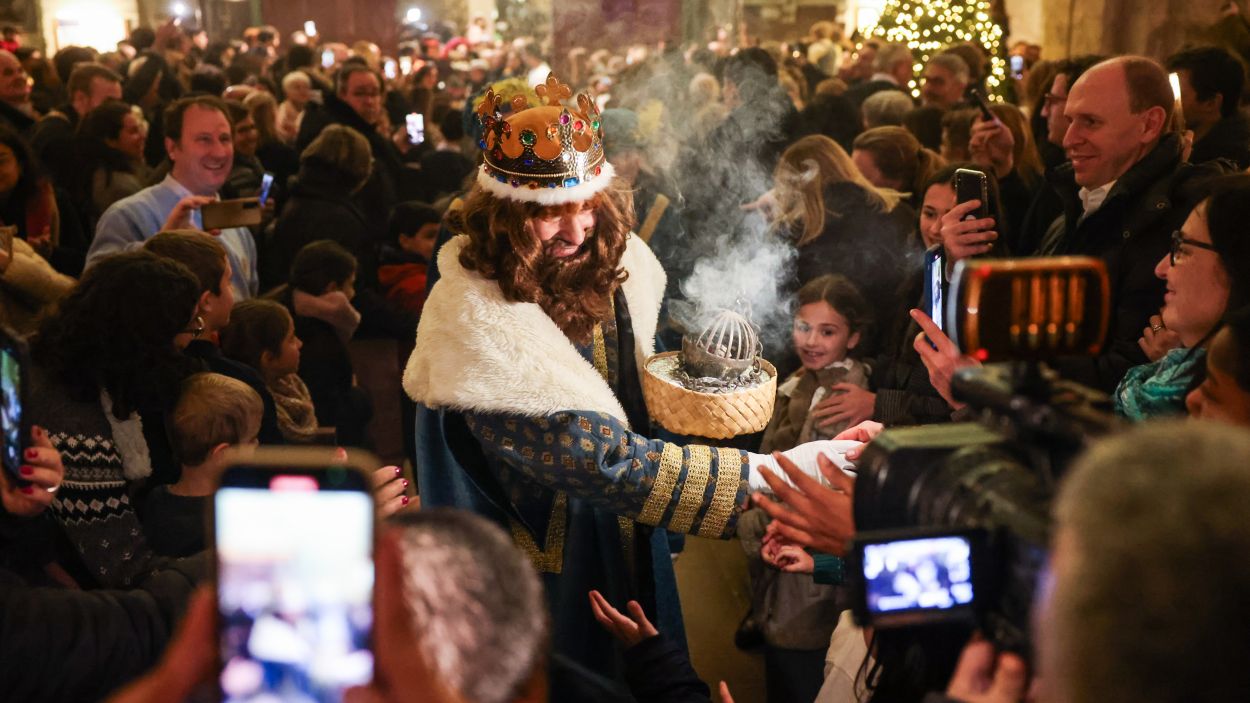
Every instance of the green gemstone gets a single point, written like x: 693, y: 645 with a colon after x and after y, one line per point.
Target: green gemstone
x: 595, y: 125
x: 528, y: 137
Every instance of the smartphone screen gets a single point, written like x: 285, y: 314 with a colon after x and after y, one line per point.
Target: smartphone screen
x: 310, y: 28
x: 929, y: 573
x: 935, y: 285
x: 327, y: 58
x: 416, y: 128
x: 11, y: 407
x: 405, y: 64
x: 1017, y: 67
x: 266, y: 182
x: 389, y: 69
x: 294, y: 583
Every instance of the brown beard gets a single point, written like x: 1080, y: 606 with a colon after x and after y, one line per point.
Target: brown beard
x: 575, y: 292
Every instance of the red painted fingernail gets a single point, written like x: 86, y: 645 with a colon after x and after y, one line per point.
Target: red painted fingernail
x: 28, y: 490
x: 403, y: 501
x: 405, y: 482
x: 32, y: 453
x: 27, y: 470
x: 399, y: 471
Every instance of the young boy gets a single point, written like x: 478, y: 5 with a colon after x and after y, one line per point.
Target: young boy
x: 213, y: 413
x: 402, y: 273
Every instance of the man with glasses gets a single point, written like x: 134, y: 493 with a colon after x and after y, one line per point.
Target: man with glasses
x: 358, y: 102
x: 15, y: 106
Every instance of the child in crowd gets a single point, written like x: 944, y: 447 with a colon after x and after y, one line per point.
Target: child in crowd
x: 791, y: 613
x: 261, y: 334
x: 319, y: 296
x: 402, y: 273
x: 213, y: 413
x: 828, y: 325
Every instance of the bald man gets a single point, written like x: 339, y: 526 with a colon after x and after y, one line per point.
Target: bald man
x: 15, y: 107
x: 1125, y: 189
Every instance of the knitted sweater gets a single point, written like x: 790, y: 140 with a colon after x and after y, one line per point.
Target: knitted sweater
x: 92, y: 507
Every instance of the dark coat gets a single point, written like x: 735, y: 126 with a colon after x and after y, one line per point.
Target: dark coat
x: 1228, y: 139
x: 382, y: 190
x: 320, y: 206
x: 211, y: 356
x: 1131, y: 232
x: 865, y: 245
x: 71, y: 645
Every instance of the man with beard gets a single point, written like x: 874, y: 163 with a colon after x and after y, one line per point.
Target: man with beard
x: 527, y: 369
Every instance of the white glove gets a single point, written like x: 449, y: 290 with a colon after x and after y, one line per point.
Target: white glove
x: 804, y: 457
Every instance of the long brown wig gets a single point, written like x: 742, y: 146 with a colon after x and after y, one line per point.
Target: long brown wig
x: 576, y: 293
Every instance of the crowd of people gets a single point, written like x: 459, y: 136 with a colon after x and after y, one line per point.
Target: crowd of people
x: 523, y: 238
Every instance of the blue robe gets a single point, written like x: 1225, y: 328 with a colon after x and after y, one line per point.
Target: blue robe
x: 584, y: 491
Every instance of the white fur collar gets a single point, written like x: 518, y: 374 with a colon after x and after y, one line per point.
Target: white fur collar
x: 477, y: 351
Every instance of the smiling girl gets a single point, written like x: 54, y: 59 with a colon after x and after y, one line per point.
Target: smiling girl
x: 828, y: 325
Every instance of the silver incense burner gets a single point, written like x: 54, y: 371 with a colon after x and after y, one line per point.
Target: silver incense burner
x: 727, y: 349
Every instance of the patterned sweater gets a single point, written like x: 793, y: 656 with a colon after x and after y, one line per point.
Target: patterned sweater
x: 93, y: 508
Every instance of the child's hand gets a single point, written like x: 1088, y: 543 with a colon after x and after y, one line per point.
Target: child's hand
x: 793, y: 559
x: 849, y: 404
x: 628, y: 630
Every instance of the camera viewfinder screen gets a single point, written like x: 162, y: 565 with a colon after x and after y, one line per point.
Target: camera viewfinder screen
x: 918, y: 574
x: 11, y: 408
x: 294, y: 591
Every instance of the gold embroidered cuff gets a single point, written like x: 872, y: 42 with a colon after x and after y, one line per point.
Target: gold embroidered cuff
x: 662, y: 488
x: 698, y: 471
x: 728, y: 476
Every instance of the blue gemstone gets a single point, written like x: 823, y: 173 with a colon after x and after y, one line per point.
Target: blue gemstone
x: 501, y: 178
x: 551, y: 185
x: 481, y: 144
x: 570, y: 182
x: 529, y: 162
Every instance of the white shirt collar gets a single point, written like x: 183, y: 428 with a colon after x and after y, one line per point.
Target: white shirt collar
x: 1093, y: 198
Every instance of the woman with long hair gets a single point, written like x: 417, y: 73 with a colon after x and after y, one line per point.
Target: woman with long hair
x: 42, y: 215
x: 890, y: 157
x: 107, y: 368
x: 274, y: 153
x: 841, y: 222
x: 113, y: 136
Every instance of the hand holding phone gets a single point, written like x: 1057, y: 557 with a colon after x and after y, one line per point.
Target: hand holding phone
x: 293, y: 535
x: 13, y: 391
x: 266, y: 182
x: 225, y: 214
x: 415, y: 123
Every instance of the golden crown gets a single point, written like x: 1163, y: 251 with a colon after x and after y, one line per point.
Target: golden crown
x: 549, y: 154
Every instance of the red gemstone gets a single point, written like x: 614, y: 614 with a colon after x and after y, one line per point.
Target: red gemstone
x: 598, y: 169
x: 579, y: 125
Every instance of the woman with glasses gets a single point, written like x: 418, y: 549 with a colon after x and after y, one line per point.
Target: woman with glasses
x: 1207, y: 272
x: 106, y: 369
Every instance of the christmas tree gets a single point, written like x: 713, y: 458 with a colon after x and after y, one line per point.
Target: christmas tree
x: 929, y: 26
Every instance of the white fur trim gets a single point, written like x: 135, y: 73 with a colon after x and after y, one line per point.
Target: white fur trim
x: 477, y: 351
x: 547, y: 196
x: 129, y: 440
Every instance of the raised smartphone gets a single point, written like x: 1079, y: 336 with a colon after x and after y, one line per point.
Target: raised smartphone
x: 293, y: 532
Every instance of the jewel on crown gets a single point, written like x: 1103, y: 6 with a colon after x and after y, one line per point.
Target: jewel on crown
x: 548, y: 146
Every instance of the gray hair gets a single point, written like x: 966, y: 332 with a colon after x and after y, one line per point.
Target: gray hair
x: 1156, y: 604
x: 477, y: 600
x: 955, y: 64
x: 886, y: 107
x: 889, y: 55
x: 294, y: 77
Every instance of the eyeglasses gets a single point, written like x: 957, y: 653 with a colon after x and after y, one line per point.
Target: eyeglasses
x: 1179, y: 240
x: 196, y: 328
x: 1052, y: 99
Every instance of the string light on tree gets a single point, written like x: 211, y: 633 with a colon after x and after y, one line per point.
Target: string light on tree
x: 929, y: 26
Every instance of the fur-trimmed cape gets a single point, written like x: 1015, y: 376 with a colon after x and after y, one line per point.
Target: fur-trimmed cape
x: 477, y: 351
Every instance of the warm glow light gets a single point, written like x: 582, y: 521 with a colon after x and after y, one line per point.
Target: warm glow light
x: 89, y: 25
x: 928, y: 26
x: 179, y: 9
x: 413, y: 15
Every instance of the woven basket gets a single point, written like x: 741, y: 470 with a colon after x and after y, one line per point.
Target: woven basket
x: 710, y: 415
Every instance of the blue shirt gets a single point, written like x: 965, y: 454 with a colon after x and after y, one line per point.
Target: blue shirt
x: 131, y: 221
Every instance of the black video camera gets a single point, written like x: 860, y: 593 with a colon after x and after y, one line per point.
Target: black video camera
x: 953, y: 521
